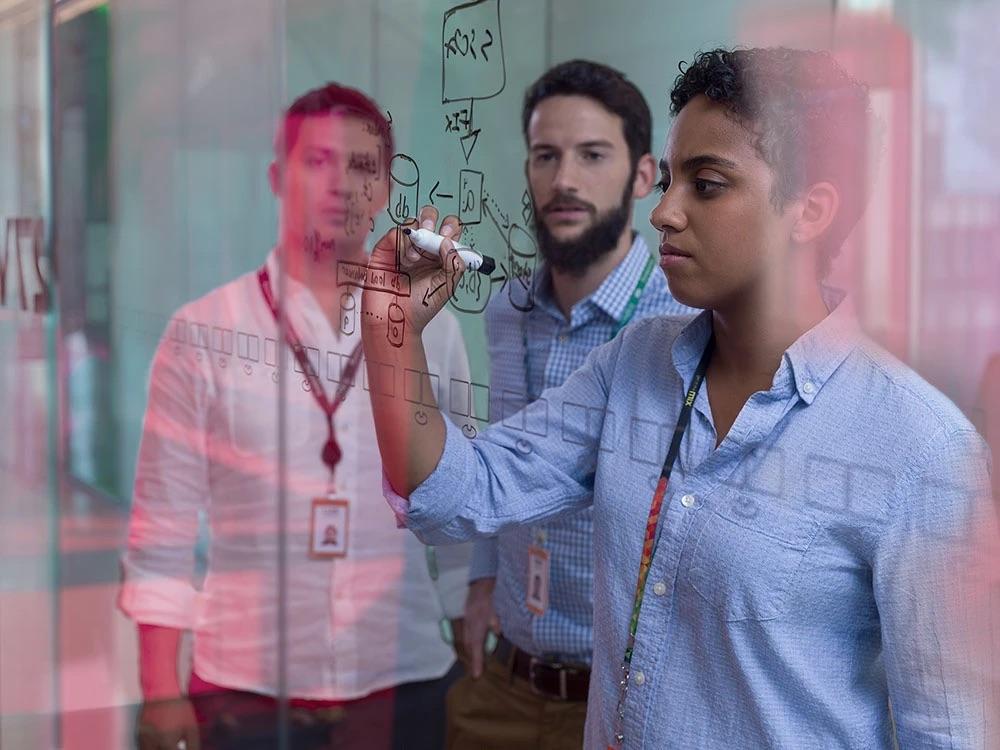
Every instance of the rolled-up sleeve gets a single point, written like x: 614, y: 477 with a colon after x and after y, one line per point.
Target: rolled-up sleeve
x: 171, y: 489
x: 536, y: 463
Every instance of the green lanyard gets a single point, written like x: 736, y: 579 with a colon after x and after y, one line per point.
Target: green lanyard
x: 627, y: 314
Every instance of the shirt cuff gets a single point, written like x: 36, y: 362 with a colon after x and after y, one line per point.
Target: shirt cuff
x: 435, y: 502
x: 397, y: 503
x: 167, y: 602
x: 484, y: 560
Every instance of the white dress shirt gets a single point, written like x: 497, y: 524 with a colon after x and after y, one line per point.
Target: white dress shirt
x: 210, y: 450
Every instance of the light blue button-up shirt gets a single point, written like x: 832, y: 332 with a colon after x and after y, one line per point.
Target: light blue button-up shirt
x: 814, y: 566
x: 555, y: 348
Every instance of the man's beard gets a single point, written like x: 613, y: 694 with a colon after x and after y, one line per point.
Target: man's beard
x: 576, y: 255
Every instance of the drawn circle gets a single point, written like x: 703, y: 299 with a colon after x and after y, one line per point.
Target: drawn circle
x: 274, y: 376
x: 305, y: 386
x: 523, y: 446
x: 247, y: 369
x: 222, y: 362
x: 469, y: 431
x: 420, y: 418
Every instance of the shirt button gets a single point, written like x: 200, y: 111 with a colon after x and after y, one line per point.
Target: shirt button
x: 639, y: 678
x: 687, y: 501
x: 808, y: 386
x: 659, y: 588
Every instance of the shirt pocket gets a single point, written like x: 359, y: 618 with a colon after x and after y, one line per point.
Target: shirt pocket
x: 748, y: 571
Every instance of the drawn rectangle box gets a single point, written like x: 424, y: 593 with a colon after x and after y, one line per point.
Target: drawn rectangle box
x: 430, y: 398
x: 345, y: 360
x: 411, y: 385
x: 222, y: 340
x: 481, y: 402
x: 178, y: 331
x: 460, y: 398
x: 386, y: 376
x: 470, y: 197
x: 312, y: 357
x: 472, y: 58
x: 248, y: 346
x: 516, y: 414
x: 588, y: 421
x: 270, y: 352
x: 333, y: 366
x: 199, y: 335
x: 648, y: 441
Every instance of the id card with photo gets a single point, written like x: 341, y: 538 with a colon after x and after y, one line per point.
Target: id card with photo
x: 537, y: 599
x: 328, y: 528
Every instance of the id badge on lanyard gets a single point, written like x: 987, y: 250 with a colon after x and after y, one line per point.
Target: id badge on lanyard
x: 537, y: 590
x: 329, y: 527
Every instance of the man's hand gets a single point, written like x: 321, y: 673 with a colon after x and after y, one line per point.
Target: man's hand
x: 168, y: 724
x: 431, y: 276
x: 480, y: 618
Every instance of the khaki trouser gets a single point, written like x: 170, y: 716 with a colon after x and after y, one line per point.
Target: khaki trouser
x: 500, y: 712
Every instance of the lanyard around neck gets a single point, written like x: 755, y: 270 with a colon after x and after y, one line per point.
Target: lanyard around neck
x: 652, y: 525
x: 626, y: 317
x: 331, y: 449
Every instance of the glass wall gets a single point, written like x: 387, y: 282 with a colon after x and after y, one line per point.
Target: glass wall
x: 160, y: 443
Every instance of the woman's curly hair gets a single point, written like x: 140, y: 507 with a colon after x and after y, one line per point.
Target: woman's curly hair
x: 809, y: 117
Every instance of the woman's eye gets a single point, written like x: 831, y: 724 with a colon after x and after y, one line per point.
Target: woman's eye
x: 707, y: 187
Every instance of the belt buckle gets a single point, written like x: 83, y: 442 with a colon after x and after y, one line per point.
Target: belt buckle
x: 535, y: 663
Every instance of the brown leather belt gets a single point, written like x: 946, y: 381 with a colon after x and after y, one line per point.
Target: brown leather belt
x: 549, y: 679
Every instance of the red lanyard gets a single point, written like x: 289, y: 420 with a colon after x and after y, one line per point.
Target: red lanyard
x: 331, y: 453
x: 652, y: 526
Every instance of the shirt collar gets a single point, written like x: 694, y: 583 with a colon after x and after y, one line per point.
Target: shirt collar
x: 812, y: 358
x: 817, y: 353
x: 612, y: 296
x: 293, y: 288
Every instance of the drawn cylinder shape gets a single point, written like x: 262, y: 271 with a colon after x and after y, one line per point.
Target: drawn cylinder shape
x: 523, y: 254
x: 397, y: 325
x: 347, y: 306
x: 405, y: 176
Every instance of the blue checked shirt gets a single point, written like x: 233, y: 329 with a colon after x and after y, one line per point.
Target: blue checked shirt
x: 837, y: 551
x: 556, y: 347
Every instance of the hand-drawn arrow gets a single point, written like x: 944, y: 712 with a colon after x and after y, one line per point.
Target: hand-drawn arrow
x: 439, y: 195
x: 503, y: 278
x: 429, y: 292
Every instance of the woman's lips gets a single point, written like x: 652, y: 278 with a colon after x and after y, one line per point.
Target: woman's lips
x: 671, y: 256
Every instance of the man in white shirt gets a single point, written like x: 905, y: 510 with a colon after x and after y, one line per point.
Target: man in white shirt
x: 256, y: 424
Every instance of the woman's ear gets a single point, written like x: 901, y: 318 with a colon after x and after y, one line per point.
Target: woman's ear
x: 820, y: 204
